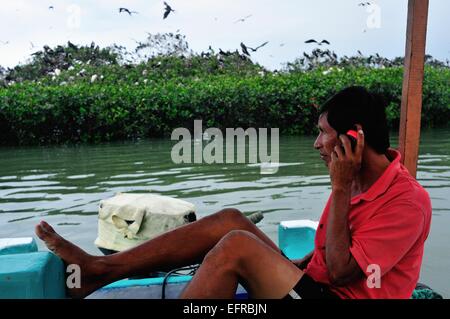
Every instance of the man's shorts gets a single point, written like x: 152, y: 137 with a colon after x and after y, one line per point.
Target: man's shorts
x: 308, y: 288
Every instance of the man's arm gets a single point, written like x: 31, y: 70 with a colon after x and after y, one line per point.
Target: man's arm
x: 344, y: 166
x: 342, y: 267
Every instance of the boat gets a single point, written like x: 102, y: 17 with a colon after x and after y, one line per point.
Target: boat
x: 26, y: 273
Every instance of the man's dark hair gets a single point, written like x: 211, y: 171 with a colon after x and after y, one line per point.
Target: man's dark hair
x: 355, y: 105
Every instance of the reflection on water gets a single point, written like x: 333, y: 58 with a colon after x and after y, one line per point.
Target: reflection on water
x: 65, y: 184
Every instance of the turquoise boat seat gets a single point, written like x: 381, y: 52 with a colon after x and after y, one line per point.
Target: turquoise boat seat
x: 35, y: 275
x: 10, y: 246
x: 296, y: 237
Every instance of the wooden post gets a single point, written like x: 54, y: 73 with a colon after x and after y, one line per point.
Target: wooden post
x: 411, y: 106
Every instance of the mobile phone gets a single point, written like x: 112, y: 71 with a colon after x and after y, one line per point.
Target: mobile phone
x: 353, y: 137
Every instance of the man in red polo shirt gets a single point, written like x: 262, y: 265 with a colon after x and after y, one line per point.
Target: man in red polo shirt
x: 369, y: 243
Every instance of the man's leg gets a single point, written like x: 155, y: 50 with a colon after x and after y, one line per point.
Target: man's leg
x: 182, y: 246
x: 242, y: 257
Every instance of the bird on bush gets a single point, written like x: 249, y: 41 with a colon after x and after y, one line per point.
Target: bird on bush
x: 227, y: 53
x: 244, y: 49
x: 71, y: 45
x: 127, y: 11
x: 168, y: 10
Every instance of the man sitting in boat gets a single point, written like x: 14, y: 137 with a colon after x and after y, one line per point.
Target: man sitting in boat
x: 369, y: 243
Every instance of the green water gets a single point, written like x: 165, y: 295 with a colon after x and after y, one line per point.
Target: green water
x: 64, y: 185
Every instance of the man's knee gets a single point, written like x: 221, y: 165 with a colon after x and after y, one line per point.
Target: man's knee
x: 231, y: 248
x: 231, y: 216
x: 236, y: 241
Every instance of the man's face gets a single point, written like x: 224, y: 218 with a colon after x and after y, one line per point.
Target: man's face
x: 327, y: 139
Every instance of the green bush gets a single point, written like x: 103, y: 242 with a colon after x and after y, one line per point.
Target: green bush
x: 151, y: 99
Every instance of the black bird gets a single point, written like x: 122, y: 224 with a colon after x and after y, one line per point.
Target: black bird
x: 363, y: 4
x: 244, y: 49
x: 51, y: 8
x: 227, y: 53
x: 168, y: 10
x: 319, y: 43
x: 260, y: 46
x: 127, y: 11
x: 71, y: 45
x: 242, y: 19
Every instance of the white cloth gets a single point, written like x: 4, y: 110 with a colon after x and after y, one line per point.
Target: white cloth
x: 127, y: 220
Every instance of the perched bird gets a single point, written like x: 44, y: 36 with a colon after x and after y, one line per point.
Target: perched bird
x: 71, y: 45
x: 244, y: 49
x: 319, y: 43
x: 168, y: 10
x: 127, y: 11
x: 242, y: 19
x: 51, y: 7
x: 227, y: 53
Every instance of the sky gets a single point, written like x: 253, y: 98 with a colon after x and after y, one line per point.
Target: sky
x: 27, y: 25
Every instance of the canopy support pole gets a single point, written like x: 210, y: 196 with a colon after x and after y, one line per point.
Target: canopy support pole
x: 411, y: 105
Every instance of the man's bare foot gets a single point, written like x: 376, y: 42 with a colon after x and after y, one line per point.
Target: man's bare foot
x: 91, y: 266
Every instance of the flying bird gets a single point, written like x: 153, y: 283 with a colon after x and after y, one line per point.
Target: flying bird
x: 4, y: 42
x: 246, y: 48
x: 260, y: 46
x: 127, y: 11
x: 363, y: 4
x: 168, y: 10
x: 319, y: 43
x: 51, y: 7
x: 242, y: 19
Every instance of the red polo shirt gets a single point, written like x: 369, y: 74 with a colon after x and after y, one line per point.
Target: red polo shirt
x: 388, y: 225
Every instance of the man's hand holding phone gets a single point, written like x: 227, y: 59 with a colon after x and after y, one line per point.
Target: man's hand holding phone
x: 346, y: 160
